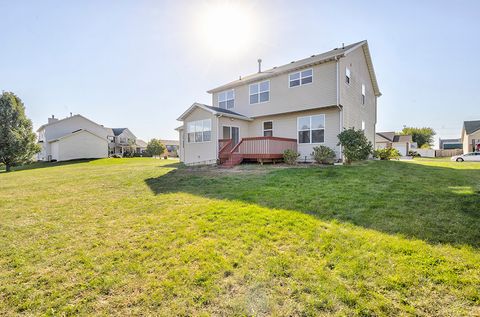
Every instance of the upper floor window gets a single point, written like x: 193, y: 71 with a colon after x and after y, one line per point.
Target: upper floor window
x: 199, y: 131
x: 348, y: 75
x: 260, y: 92
x: 300, y: 78
x: 226, y: 99
x: 268, y: 128
x: 311, y: 129
x: 363, y: 94
x: 363, y: 125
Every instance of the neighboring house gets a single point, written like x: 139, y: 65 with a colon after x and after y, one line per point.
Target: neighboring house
x: 77, y: 137
x: 121, y: 141
x: 141, y: 146
x: 295, y: 106
x: 74, y: 137
x: 403, y: 143
x: 471, y: 136
x: 450, y: 144
x: 171, y: 147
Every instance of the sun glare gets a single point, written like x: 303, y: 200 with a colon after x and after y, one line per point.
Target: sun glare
x: 226, y: 29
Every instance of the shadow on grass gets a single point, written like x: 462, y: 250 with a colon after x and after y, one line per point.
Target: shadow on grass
x: 435, y: 204
x: 37, y: 165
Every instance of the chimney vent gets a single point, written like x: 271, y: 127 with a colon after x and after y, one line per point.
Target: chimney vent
x: 52, y: 119
x: 259, y: 65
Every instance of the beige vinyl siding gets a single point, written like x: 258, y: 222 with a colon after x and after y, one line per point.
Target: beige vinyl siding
x: 320, y: 93
x: 467, y: 141
x: 204, y: 152
x: 285, y: 125
x: 79, y: 145
x: 231, y: 122
x: 351, y: 94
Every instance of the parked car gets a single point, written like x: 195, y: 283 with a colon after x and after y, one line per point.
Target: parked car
x: 471, y: 157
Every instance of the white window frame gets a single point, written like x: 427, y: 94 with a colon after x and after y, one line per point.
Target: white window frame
x: 195, y: 123
x: 263, y: 127
x: 363, y: 125
x: 310, y: 129
x: 299, y: 78
x: 348, y: 76
x: 363, y: 94
x: 258, y: 93
x: 225, y: 93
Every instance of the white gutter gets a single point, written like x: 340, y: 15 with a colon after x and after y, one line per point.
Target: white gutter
x: 338, y: 102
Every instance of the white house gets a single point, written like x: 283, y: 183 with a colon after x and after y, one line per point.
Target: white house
x: 74, y: 137
x: 295, y: 106
x: 403, y: 143
x: 77, y: 137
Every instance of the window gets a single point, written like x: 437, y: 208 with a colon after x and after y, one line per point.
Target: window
x: 363, y: 94
x: 300, y: 78
x: 123, y: 140
x: 226, y: 99
x: 260, y: 92
x: 268, y: 128
x: 363, y: 125
x: 348, y: 75
x: 199, y: 131
x: 311, y: 129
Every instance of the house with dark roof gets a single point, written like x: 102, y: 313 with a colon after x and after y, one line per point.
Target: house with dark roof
x: 403, y: 143
x: 122, y: 141
x: 471, y: 136
x: 296, y: 106
x: 450, y: 144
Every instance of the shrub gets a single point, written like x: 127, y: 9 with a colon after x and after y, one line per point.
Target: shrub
x: 323, y: 154
x: 356, y: 146
x: 386, y: 154
x: 290, y: 157
x: 413, y: 154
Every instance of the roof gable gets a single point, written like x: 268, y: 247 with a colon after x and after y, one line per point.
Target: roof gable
x: 214, y: 110
x: 305, y: 63
x: 75, y: 133
x: 471, y: 126
x: 66, y: 119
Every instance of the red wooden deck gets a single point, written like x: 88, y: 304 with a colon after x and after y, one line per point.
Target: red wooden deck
x: 254, y: 148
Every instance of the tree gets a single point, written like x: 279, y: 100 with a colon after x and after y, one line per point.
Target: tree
x: 17, y: 140
x: 155, y: 147
x: 356, y: 146
x: 423, y: 136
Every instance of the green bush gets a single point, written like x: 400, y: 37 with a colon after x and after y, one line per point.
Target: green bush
x: 290, y: 157
x: 356, y: 146
x: 386, y: 154
x: 413, y: 153
x: 323, y: 154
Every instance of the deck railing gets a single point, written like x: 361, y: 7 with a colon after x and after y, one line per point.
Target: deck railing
x: 267, y: 147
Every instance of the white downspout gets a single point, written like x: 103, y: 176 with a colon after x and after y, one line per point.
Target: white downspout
x: 217, y: 136
x: 338, y: 103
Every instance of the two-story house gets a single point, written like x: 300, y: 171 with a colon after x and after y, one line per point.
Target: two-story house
x: 295, y: 106
x: 77, y: 137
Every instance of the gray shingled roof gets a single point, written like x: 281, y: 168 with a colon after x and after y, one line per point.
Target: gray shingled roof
x: 402, y: 138
x: 117, y: 131
x: 471, y: 126
x: 226, y: 111
x: 391, y: 136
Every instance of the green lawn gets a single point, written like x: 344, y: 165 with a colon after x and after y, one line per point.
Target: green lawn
x: 149, y: 237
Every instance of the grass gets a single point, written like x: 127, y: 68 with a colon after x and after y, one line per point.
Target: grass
x: 149, y: 237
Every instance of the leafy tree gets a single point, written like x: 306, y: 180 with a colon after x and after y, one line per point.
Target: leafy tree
x: 356, y: 146
x: 17, y: 140
x: 155, y: 147
x: 423, y: 136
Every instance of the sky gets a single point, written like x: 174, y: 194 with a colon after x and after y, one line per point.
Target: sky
x: 140, y: 64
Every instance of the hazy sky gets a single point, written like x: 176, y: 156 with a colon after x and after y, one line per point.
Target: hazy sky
x: 140, y: 64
